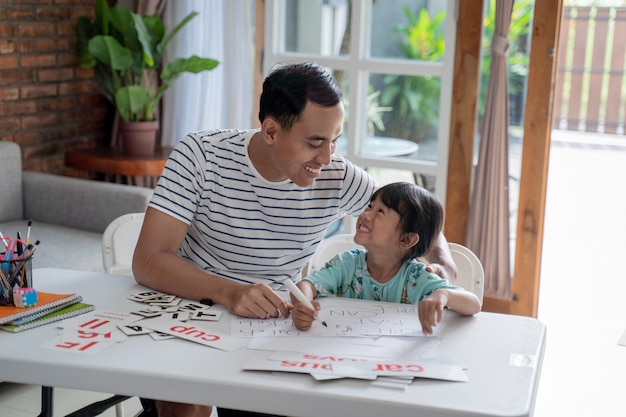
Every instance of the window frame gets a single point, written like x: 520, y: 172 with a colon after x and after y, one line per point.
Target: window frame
x: 357, y: 65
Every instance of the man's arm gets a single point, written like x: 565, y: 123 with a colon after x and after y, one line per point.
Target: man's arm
x: 439, y: 259
x: 157, y: 265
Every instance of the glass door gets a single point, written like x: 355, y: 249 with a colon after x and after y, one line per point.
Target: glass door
x: 394, y: 62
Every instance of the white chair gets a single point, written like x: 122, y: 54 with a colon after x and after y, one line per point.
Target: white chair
x: 119, y: 241
x: 118, y: 245
x: 471, y: 274
x: 330, y: 247
x: 470, y: 271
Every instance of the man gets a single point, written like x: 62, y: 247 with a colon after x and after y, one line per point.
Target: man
x: 236, y: 213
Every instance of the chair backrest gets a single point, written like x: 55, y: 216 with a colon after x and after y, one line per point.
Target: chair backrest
x: 471, y: 274
x: 470, y: 271
x: 119, y: 241
x: 330, y: 247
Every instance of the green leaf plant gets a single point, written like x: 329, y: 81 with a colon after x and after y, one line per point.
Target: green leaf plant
x: 126, y: 52
x: 415, y: 99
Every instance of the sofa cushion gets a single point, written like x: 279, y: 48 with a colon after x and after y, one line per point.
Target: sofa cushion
x: 77, y: 203
x: 11, y: 202
x: 60, y: 247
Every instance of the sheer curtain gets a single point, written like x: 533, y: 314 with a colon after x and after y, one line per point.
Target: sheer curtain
x: 223, y: 97
x: 488, y: 223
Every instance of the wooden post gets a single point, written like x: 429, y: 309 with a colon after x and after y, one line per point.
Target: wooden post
x: 463, y: 118
x: 535, y: 155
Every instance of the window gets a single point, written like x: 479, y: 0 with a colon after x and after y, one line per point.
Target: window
x: 394, y: 62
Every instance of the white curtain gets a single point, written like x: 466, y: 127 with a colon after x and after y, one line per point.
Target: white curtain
x: 223, y: 97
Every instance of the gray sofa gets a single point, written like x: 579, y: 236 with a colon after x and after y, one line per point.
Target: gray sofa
x: 69, y: 215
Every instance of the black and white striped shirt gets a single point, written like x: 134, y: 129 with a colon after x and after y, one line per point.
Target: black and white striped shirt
x: 242, y: 226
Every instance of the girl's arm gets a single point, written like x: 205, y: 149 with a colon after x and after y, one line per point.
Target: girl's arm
x: 430, y: 309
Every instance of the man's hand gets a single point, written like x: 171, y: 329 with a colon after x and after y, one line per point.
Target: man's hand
x: 442, y: 271
x: 258, y: 301
x: 439, y: 260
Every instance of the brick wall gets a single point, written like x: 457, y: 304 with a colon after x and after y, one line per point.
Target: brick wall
x: 47, y: 103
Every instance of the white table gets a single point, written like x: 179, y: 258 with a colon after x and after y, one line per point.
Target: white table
x: 502, y: 354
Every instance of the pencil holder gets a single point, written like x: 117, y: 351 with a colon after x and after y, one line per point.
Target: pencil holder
x: 16, y: 271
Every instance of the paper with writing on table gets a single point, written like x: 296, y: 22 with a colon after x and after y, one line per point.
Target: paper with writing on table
x: 90, y: 333
x: 381, y: 347
x: 99, y: 321
x: 83, y: 347
x: 356, y: 367
x: 416, y: 369
x: 194, y: 333
x: 345, y: 317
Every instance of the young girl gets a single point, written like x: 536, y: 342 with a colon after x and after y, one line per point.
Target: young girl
x: 398, y: 225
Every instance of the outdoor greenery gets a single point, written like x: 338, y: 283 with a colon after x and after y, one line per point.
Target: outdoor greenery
x: 126, y: 50
x: 374, y: 111
x: 415, y: 99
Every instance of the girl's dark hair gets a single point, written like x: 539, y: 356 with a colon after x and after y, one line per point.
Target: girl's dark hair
x: 420, y: 212
x: 287, y: 89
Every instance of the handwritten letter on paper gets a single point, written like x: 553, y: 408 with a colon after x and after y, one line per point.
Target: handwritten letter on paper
x: 345, y: 317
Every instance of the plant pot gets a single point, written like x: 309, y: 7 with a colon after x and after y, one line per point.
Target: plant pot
x: 139, y: 138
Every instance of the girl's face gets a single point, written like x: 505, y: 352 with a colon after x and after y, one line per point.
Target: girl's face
x: 378, y: 227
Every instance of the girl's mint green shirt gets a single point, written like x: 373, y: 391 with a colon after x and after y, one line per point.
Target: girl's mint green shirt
x: 346, y: 275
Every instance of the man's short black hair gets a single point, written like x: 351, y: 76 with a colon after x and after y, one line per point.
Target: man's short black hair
x: 288, y: 88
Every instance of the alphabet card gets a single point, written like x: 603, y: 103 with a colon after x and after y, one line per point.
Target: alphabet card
x: 165, y: 305
x: 73, y: 335
x: 295, y: 366
x: 310, y: 360
x: 91, y: 332
x: 134, y: 330
x: 349, y: 367
x: 194, y: 333
x: 99, y: 321
x: 85, y: 347
x: 423, y: 368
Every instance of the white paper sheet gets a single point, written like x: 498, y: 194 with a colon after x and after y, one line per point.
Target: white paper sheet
x: 382, y: 347
x: 345, y: 317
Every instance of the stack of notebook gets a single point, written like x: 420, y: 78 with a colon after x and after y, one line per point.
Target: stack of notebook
x: 49, y: 308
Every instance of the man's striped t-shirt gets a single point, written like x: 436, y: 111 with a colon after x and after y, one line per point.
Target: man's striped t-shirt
x: 242, y: 226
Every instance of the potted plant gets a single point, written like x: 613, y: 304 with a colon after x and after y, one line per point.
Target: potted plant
x: 126, y: 52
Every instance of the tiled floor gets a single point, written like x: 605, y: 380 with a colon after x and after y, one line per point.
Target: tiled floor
x: 582, y: 298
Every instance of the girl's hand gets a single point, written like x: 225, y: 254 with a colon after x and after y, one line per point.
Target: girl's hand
x: 430, y: 310
x: 303, y: 316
